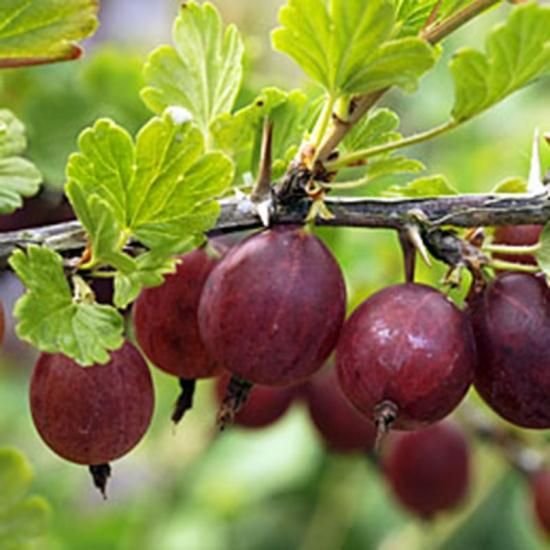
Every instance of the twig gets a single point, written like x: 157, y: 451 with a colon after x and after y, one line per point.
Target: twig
x: 460, y: 211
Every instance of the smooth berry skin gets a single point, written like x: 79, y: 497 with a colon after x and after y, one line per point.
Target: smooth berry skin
x: 429, y: 470
x: 165, y: 319
x: 272, y: 309
x: 92, y: 415
x: 517, y: 235
x: 540, y: 487
x: 341, y: 427
x: 511, y: 321
x: 410, y: 346
x: 264, y: 405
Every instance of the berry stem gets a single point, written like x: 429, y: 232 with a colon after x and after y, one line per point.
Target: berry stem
x: 385, y: 415
x: 100, y: 475
x: 236, y: 395
x: 511, y: 249
x: 513, y: 266
x: 184, y: 401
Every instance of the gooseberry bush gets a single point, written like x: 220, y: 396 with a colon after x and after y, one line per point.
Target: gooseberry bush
x: 160, y: 216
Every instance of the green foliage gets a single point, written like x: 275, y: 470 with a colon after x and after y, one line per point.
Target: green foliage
x: 43, y: 31
x: 347, y: 46
x: 518, y: 52
x: 378, y: 127
x: 159, y: 190
x: 510, y: 185
x: 18, y: 176
x: 55, y: 319
x: 240, y: 134
x: 429, y: 186
x: 399, y: 164
x: 22, y: 518
x: 202, y: 72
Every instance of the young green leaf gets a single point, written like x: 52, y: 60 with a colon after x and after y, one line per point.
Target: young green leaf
x: 518, y: 52
x: 44, y: 31
x: 510, y: 185
x: 21, y: 518
x: 202, y: 72
x: 53, y: 320
x: 149, y: 271
x: 379, y: 127
x: 18, y: 176
x: 348, y: 45
x: 429, y: 186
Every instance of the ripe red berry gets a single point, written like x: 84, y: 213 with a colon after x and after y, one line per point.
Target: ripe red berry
x: 405, y: 356
x: 540, y: 486
x: 92, y: 415
x: 511, y: 321
x: 165, y: 319
x: 341, y: 427
x: 517, y: 235
x: 272, y: 309
x: 264, y: 405
x: 429, y: 470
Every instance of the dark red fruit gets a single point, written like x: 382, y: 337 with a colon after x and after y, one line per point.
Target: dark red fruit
x: 272, y: 309
x: 540, y: 486
x: 264, y: 405
x: 406, y: 356
x: 511, y: 321
x: 92, y: 415
x: 341, y: 427
x: 517, y: 235
x: 165, y: 319
x: 429, y: 470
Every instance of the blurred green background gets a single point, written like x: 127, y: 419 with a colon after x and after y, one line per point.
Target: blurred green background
x: 278, y: 488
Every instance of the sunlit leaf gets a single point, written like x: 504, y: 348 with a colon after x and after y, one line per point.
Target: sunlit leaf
x: 202, y: 72
x: 44, y: 31
x: 348, y: 45
x: 53, y: 320
x: 510, y: 185
x: 518, y: 52
x: 380, y: 126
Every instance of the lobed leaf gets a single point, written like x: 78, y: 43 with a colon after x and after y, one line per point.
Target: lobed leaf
x: 380, y: 167
x: 202, y: 72
x: 378, y: 127
x: 518, y: 52
x: 348, y: 46
x: 44, y: 31
x: 53, y: 320
x: 18, y: 177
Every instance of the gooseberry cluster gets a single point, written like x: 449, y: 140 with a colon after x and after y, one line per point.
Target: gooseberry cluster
x: 265, y: 315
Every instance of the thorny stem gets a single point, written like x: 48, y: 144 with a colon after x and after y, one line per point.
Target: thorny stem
x: 362, y: 104
x: 69, y: 238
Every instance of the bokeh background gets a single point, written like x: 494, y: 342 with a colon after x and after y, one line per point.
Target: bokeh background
x: 191, y: 488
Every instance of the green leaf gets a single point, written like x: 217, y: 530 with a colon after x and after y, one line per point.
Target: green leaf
x: 44, y: 31
x: 348, y: 47
x: 518, y: 52
x: 53, y: 320
x: 510, y: 185
x: 202, y: 72
x: 430, y: 186
x: 13, y: 140
x: 379, y: 127
x: 149, y: 271
x: 21, y: 519
x: 18, y: 176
